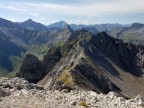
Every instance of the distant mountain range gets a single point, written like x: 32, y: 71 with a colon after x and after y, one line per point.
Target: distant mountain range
x: 91, y: 28
x: 69, y: 56
x: 26, y: 37
x: 32, y: 25
x: 36, y: 38
x: 133, y: 34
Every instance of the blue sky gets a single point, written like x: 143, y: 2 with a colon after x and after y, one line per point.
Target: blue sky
x: 74, y: 11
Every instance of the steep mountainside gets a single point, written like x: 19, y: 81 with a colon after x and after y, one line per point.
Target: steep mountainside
x: 94, y: 62
x: 8, y: 49
x: 35, y: 42
x: 25, y: 37
x: 133, y: 34
x: 8, y: 24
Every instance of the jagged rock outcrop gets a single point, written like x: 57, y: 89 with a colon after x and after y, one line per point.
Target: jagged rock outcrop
x: 32, y: 69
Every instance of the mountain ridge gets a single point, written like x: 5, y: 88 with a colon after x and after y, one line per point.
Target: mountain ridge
x: 32, y: 41
x: 93, y: 62
x: 32, y: 25
x: 133, y: 34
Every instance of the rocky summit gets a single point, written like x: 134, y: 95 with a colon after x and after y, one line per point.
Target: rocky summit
x: 18, y: 93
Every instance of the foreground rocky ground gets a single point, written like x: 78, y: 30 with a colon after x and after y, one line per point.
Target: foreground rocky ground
x: 18, y: 93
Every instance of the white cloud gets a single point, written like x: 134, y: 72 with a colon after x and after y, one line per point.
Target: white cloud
x: 85, y: 8
x: 97, y: 7
x: 15, y: 8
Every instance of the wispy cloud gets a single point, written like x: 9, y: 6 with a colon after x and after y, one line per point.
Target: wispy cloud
x: 88, y: 9
x: 81, y: 8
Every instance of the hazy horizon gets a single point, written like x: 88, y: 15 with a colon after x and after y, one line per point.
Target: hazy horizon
x: 67, y: 22
x: 74, y: 11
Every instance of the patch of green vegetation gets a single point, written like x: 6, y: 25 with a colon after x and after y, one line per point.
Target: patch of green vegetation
x: 53, y: 49
x: 83, y: 103
x: 58, y: 44
x: 38, y: 49
x: 65, y: 49
x: 3, y: 72
x: 132, y: 38
x: 66, y: 78
x: 16, y: 63
x: 41, y: 50
x: 35, y: 49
